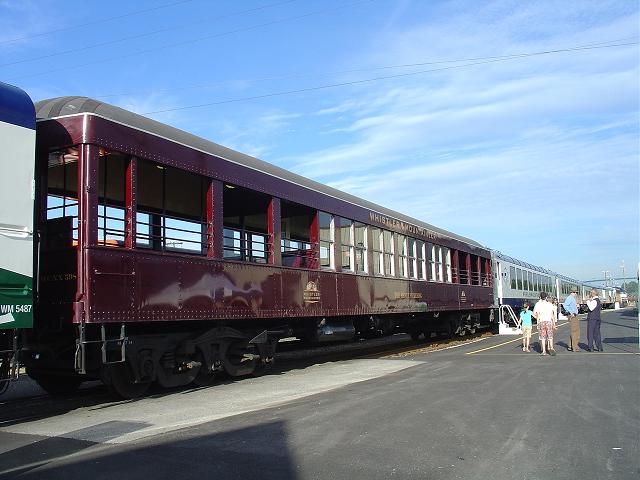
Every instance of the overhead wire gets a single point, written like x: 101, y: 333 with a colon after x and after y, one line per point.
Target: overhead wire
x: 194, y: 40
x: 94, y: 22
x: 344, y: 71
x: 386, y: 77
x: 141, y: 35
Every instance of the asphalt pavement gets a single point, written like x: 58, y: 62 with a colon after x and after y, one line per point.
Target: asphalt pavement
x: 484, y: 410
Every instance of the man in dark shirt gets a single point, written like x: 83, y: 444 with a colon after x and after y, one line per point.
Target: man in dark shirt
x: 593, y: 321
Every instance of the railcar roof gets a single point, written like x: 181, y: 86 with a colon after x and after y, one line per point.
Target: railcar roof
x: 65, y: 106
x: 16, y: 107
x: 530, y: 266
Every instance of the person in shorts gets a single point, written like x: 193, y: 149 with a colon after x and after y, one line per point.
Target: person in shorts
x: 543, y: 312
x: 527, y: 326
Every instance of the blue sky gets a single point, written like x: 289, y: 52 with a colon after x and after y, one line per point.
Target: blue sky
x: 536, y: 156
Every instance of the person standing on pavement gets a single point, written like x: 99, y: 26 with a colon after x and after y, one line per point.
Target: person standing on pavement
x: 571, y: 306
x: 543, y: 312
x: 525, y: 321
x: 554, y: 323
x: 593, y: 321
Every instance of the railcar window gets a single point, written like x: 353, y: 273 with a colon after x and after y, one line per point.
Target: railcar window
x: 295, y: 245
x: 62, y: 198
x: 525, y: 280
x: 485, y: 272
x: 401, y: 248
x: 447, y: 265
x: 463, y: 271
x: 244, y: 213
x: 346, y: 244
x: 360, y: 233
x: 512, y: 275
x: 325, y: 222
x: 378, y: 258
x: 475, y: 273
x: 387, y: 241
x: 422, y: 268
x: 411, y: 257
x: 111, y: 189
x: 439, y: 264
x: 171, y: 213
x: 519, y: 273
x: 431, y: 254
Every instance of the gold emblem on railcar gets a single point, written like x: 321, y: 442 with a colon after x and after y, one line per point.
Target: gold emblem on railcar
x: 463, y: 297
x: 311, y: 293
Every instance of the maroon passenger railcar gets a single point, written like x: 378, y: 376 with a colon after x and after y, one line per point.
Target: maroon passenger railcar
x: 164, y: 258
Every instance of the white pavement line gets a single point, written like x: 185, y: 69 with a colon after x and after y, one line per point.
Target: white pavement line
x: 130, y: 421
x: 519, y: 339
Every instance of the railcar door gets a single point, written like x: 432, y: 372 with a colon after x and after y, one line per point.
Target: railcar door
x: 59, y: 244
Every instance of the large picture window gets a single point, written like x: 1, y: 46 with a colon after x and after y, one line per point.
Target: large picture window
x: 325, y: 223
x: 111, y: 188
x: 447, y: 265
x: 62, y: 199
x: 360, y: 234
x: 245, y: 224
x: 346, y: 244
x: 171, y: 213
x: 401, y: 248
x: 387, y: 245
x: 295, y: 243
x: 378, y: 255
x: 422, y: 268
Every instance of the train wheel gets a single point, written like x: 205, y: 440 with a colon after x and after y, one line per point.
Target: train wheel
x: 240, y: 360
x: 205, y: 377
x: 58, y: 385
x: 119, y: 379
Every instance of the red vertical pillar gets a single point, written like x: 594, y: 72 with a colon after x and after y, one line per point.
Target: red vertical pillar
x: 456, y: 266
x: 215, y: 216
x: 467, y: 265
x: 314, y: 239
x: 274, y: 230
x: 488, y: 272
x: 337, y: 244
x: 130, y: 203
x: 87, y: 223
x: 479, y: 270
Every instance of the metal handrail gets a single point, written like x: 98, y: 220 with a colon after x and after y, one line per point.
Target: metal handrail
x: 512, y: 315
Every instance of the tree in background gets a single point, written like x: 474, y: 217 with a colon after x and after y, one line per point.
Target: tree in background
x: 631, y: 288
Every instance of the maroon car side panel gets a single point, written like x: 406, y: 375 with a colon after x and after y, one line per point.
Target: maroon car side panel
x: 133, y: 286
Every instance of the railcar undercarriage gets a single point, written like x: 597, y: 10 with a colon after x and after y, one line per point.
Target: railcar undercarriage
x: 130, y: 361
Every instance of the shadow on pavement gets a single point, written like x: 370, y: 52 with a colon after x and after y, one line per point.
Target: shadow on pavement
x: 260, y: 451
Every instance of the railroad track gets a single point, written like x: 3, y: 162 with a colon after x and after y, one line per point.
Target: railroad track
x: 395, y: 346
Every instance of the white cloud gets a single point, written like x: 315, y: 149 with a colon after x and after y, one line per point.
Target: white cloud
x: 490, y: 149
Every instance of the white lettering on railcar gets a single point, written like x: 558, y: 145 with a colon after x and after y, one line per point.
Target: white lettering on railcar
x: 7, y: 309
x: 402, y: 226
